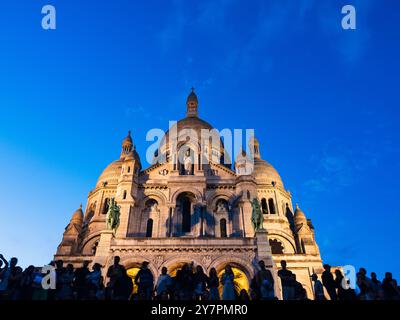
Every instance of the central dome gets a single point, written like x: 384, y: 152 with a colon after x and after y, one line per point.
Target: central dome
x: 191, y: 123
x: 189, y: 131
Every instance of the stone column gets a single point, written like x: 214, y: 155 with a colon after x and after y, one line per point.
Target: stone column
x: 247, y: 210
x: 169, y: 226
x: 264, y: 253
x: 103, y: 248
x: 125, y: 211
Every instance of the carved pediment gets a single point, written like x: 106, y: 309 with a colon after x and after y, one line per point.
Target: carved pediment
x: 218, y: 170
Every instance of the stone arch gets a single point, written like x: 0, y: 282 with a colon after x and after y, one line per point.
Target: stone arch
x: 87, y: 244
x: 130, y: 262
x: 156, y: 195
x: 220, y: 263
x: 177, y: 262
x: 198, y: 195
x: 244, y: 267
x: 146, y: 212
x: 216, y: 195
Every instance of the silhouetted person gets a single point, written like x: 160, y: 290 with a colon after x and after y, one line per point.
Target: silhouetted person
x: 299, y: 291
x: 213, y: 284
x: 200, y: 283
x: 329, y: 282
x: 12, y: 276
x: 339, y: 284
x: 4, y: 275
x: 123, y: 288
x: 144, y: 280
x: 65, y: 281
x: 365, y: 284
x: 227, y: 280
x: 376, y: 286
x: 163, y: 284
x: 318, y: 288
x: 265, y: 281
x: 243, y: 295
x: 51, y: 293
x: 286, y: 281
x: 114, y: 272
x: 26, y: 284
x: 255, y: 293
x: 94, y: 282
x: 302, y: 295
x: 80, y: 281
x: 185, y: 282
x: 349, y: 293
x: 38, y: 292
x: 59, y: 265
x: 389, y: 286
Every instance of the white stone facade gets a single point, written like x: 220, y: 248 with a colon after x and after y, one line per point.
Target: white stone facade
x: 170, y: 216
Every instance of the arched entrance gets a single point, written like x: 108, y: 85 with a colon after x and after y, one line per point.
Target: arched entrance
x: 173, y: 269
x: 132, y: 267
x: 132, y: 272
x: 184, y: 213
x: 240, y: 279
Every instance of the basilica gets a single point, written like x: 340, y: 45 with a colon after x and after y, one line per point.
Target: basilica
x: 192, y: 206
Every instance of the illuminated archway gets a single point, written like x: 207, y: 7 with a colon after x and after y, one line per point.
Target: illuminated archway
x: 240, y: 280
x: 132, y: 272
x: 173, y: 269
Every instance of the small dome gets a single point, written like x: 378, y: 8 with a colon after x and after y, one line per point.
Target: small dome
x: 192, y: 104
x: 128, y: 139
x: 299, y: 216
x: 192, y: 97
x: 265, y: 172
x: 77, y: 217
x: 110, y: 174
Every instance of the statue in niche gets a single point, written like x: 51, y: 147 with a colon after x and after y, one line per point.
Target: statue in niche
x: 187, y: 163
x: 257, y: 218
x: 221, y: 206
x: 113, y: 214
x: 153, y: 206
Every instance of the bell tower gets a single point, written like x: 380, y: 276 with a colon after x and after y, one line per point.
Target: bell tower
x: 127, y: 183
x: 192, y: 104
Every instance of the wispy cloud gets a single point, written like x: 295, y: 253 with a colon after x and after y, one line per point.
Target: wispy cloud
x: 138, y: 110
x: 337, y: 167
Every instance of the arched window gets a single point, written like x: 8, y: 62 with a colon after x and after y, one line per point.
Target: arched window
x: 264, y: 206
x: 106, y: 205
x: 271, y: 206
x: 124, y: 196
x: 186, y: 216
x: 248, y: 195
x: 276, y: 246
x: 149, y: 229
x: 129, y: 169
x: 222, y: 225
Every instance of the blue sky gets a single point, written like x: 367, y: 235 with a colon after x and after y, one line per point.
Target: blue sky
x: 323, y: 102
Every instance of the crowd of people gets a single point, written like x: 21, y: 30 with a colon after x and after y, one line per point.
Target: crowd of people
x: 189, y: 283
